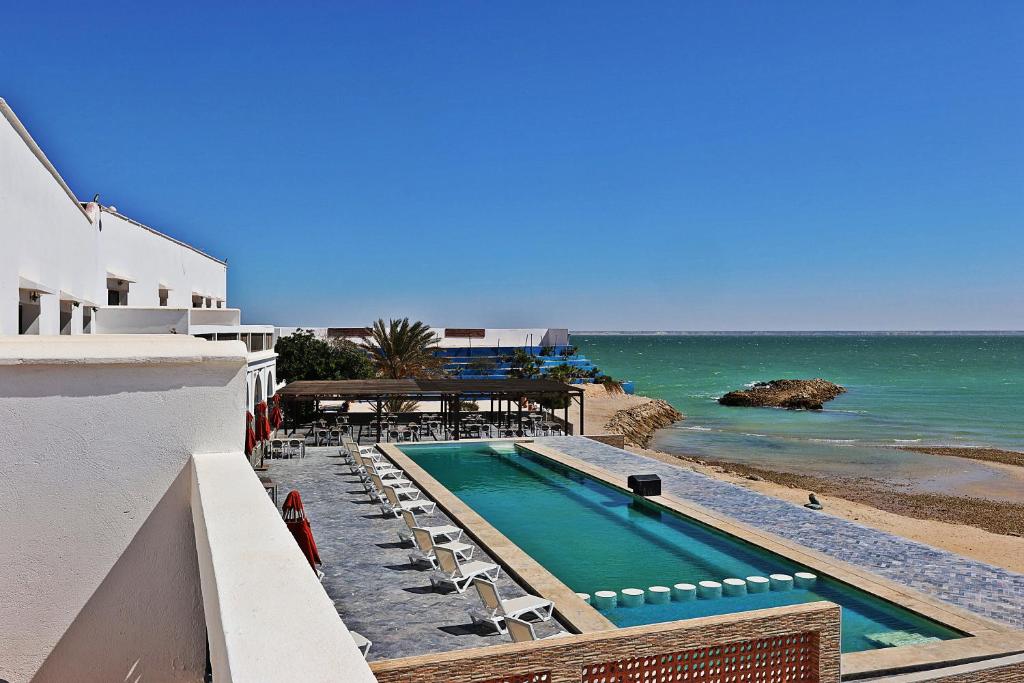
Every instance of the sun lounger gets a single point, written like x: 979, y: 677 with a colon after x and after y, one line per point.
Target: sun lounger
x: 452, y: 572
x: 446, y: 532
x: 497, y: 609
x: 390, y: 504
x: 426, y: 549
x: 522, y: 631
x: 362, y: 642
x: 401, y: 490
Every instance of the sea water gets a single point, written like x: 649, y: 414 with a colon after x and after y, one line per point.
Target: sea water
x: 903, y: 390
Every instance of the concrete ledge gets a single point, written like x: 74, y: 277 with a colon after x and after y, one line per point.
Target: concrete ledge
x: 267, y: 616
x: 617, y: 440
x: 118, y: 349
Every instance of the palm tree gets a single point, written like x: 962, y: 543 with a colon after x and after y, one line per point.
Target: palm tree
x: 399, y: 349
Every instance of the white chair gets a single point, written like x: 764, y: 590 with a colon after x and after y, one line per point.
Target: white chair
x: 399, y: 486
x: 391, y: 505
x: 452, y: 572
x: 427, y: 549
x: 362, y: 642
x: 297, y: 448
x: 522, y: 631
x: 446, y: 532
x: 497, y: 609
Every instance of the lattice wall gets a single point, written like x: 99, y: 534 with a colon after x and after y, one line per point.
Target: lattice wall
x: 781, y: 659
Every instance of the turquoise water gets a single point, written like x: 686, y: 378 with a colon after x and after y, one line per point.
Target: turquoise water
x: 594, y: 537
x: 903, y: 390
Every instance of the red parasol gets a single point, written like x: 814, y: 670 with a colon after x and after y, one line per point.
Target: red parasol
x: 262, y: 423
x: 276, y: 418
x: 298, y: 524
x: 250, y: 435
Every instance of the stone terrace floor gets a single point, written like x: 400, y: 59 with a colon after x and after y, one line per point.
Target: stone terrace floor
x: 981, y: 588
x: 367, y: 571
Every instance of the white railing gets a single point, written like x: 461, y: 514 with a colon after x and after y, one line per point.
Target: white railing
x: 267, y: 616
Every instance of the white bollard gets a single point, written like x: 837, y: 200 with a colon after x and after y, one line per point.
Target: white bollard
x: 631, y: 597
x: 606, y: 599
x: 658, y: 595
x: 709, y: 590
x: 804, y: 580
x: 684, y: 591
x: 757, y: 584
x: 734, y: 587
x: 585, y: 597
x: 781, y: 582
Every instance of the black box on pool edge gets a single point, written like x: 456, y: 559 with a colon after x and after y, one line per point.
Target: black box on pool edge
x: 644, y: 484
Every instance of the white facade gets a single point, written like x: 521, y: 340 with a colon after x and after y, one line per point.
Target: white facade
x: 136, y: 534
x: 71, y: 268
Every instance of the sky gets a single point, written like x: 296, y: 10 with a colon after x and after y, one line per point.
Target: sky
x: 593, y: 165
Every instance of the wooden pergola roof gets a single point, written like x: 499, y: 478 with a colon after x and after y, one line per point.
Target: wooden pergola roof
x: 368, y: 389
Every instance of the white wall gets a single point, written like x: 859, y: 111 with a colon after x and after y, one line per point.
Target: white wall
x: 47, y: 238
x: 44, y: 234
x: 150, y: 259
x: 98, y: 561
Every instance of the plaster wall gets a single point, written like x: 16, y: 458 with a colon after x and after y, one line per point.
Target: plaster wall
x: 45, y: 235
x: 152, y: 259
x: 98, y: 560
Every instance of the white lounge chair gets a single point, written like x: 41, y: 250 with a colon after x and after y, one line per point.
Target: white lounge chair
x: 452, y: 572
x: 391, y: 505
x: 362, y: 642
x: 399, y: 486
x: 497, y: 609
x: 426, y: 549
x: 446, y: 532
x: 522, y: 631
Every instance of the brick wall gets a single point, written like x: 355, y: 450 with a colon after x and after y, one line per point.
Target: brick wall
x: 563, y: 660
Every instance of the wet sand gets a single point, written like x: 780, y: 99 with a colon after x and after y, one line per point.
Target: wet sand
x: 985, y: 454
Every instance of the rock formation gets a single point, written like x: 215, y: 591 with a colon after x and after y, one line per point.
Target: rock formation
x: 638, y: 424
x: 807, y: 394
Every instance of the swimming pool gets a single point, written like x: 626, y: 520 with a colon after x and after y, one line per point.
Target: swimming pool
x: 593, y: 536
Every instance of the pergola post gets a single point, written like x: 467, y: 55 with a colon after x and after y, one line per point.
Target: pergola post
x: 581, y: 413
x: 458, y: 416
x: 378, y: 418
x: 565, y: 417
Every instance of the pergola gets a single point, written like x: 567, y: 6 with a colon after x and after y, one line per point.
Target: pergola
x: 450, y: 392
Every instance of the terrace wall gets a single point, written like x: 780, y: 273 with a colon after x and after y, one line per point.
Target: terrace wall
x: 795, y: 644
x: 98, y: 564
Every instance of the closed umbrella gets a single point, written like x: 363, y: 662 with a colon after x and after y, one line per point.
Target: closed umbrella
x: 250, y: 435
x: 276, y: 418
x: 262, y: 423
x: 298, y: 524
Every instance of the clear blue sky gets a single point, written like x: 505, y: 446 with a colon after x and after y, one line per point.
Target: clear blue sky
x: 597, y: 165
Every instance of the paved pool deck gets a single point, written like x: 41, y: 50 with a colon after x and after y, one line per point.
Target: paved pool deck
x: 366, y: 569
x: 983, y: 589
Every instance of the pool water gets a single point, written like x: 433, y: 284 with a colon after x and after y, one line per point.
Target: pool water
x: 594, y: 537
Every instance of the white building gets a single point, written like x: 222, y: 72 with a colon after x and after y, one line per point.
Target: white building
x: 72, y: 267
x: 458, y: 338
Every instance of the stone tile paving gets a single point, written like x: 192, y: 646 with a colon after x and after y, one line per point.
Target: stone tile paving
x: 367, y: 571
x: 981, y: 588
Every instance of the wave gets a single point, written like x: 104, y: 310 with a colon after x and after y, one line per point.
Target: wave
x: 836, y: 442
x: 697, y: 428
x: 907, y: 440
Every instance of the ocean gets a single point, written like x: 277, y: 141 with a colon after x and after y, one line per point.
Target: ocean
x: 913, y: 390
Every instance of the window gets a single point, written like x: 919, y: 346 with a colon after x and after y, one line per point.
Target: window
x: 29, y: 311
x: 209, y: 302
x: 117, y: 292
x: 163, y: 294
x: 87, y: 320
x: 66, y: 316
x: 220, y: 303
x: 197, y: 301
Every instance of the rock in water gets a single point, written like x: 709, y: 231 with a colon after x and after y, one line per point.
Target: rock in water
x: 806, y: 394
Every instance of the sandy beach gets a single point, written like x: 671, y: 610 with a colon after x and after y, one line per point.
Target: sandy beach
x: 986, y: 530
